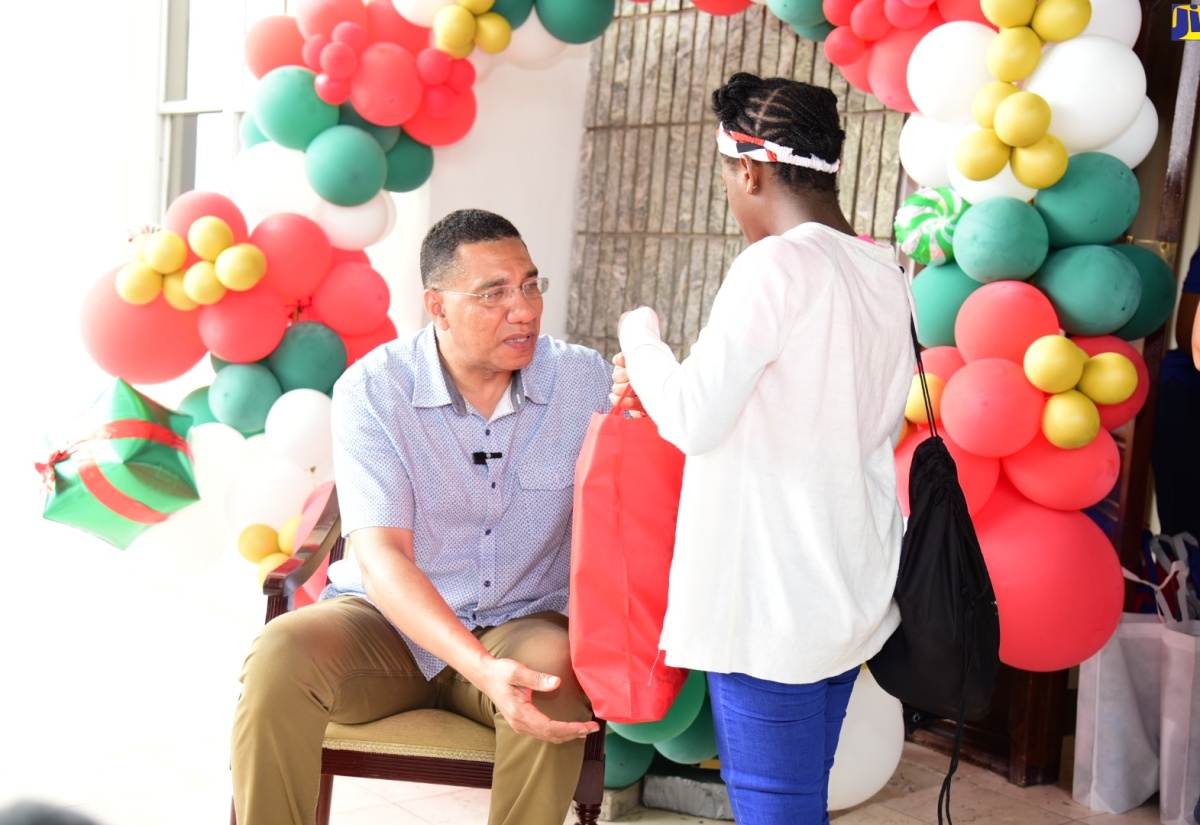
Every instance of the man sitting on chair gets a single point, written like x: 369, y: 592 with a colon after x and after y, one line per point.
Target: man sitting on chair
x: 454, y: 455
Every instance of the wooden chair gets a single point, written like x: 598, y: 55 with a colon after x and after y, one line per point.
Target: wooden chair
x: 433, y: 746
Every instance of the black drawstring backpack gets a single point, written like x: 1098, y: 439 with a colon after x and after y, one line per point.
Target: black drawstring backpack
x: 941, y: 662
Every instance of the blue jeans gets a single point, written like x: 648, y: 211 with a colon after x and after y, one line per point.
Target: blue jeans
x: 776, y: 743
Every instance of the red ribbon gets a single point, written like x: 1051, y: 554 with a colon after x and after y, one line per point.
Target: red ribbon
x: 93, y: 478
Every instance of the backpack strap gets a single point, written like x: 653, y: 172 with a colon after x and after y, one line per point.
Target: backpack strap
x: 912, y: 326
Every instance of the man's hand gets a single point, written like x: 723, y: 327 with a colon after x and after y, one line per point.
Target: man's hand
x: 620, y: 385
x: 510, y: 685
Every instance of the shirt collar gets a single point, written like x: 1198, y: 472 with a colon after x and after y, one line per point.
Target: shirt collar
x: 435, y: 388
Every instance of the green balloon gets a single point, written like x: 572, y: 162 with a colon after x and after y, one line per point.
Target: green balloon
x: 241, y: 395
x: 1094, y: 289
x: 515, y: 12
x: 817, y: 32
x: 625, y: 762
x: 1158, y: 292
x: 1093, y: 203
x: 310, y: 356
x: 576, y: 21
x: 939, y: 292
x: 697, y: 743
x: 409, y: 164
x: 195, y: 404
x: 385, y: 136
x: 219, y: 363
x: 1000, y: 239
x: 287, y: 109
x: 345, y: 166
x: 798, y: 12
x: 250, y: 133
x: 679, y: 716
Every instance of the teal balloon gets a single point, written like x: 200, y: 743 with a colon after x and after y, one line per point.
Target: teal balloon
x: 696, y: 744
x: 220, y: 363
x: 241, y: 395
x: 385, y: 136
x: 817, y: 32
x: 679, y: 716
x: 345, y: 166
x: 249, y: 132
x: 195, y: 404
x: 1094, y: 289
x: 409, y: 164
x: 1158, y: 292
x: 287, y: 109
x: 310, y: 356
x: 1094, y: 202
x: 939, y: 292
x: 576, y: 21
x: 515, y: 12
x: 798, y: 12
x: 1000, y: 239
x: 625, y: 762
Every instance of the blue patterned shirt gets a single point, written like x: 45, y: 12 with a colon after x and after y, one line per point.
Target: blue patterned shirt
x: 493, y: 537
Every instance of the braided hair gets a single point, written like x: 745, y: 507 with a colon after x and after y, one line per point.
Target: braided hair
x: 784, y: 111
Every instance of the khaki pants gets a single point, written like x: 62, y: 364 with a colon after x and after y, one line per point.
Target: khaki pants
x: 341, y: 660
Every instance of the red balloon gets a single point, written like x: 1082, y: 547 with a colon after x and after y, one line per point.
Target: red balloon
x: 386, y: 89
x: 322, y: 16
x: 977, y: 474
x: 244, y: 327
x: 384, y: 23
x: 273, y: 42
x: 1113, y: 416
x: 189, y: 206
x: 838, y: 12
x: 951, y: 10
x: 867, y: 20
x: 856, y: 73
x: 1065, y: 479
x: 442, y: 131
x: 990, y: 408
x: 347, y: 256
x: 1001, y: 320
x: 144, y: 344
x: 297, y: 251
x: 1058, y: 582
x: 433, y: 65
x: 722, y: 7
x: 353, y: 299
x: 359, y: 345
x: 462, y: 75
x: 941, y: 361
x: 314, y: 47
x: 352, y: 34
x: 888, y: 73
x: 903, y: 16
x: 843, y: 46
x: 330, y: 90
x: 438, y: 101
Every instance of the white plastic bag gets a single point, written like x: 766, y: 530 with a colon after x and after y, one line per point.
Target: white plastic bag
x: 1179, y: 751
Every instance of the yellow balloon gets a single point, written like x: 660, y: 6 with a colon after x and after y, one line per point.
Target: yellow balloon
x: 165, y: 251
x: 987, y: 99
x: 1108, y: 378
x: 1013, y: 53
x: 1058, y: 20
x: 174, y: 293
x: 981, y: 155
x: 209, y: 236
x: 201, y: 284
x: 287, y: 535
x: 268, y: 564
x: 914, y: 407
x: 138, y: 245
x: 1041, y: 164
x: 1053, y: 363
x: 138, y: 283
x: 1070, y: 420
x: 477, y: 6
x: 1005, y: 14
x: 453, y: 28
x: 257, y: 542
x: 493, y: 32
x: 460, y: 52
x: 1022, y: 119
x: 240, y: 267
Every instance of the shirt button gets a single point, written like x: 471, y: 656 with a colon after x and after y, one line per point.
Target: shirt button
x: 493, y: 485
x: 487, y: 532
x: 487, y: 583
x: 487, y: 432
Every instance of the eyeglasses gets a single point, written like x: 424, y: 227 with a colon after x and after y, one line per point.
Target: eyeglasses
x: 502, y: 295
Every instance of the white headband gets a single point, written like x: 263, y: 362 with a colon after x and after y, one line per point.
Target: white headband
x: 738, y: 145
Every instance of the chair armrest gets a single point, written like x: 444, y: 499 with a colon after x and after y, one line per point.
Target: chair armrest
x: 288, y: 577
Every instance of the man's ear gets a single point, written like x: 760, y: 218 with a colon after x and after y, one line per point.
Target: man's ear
x: 436, y: 308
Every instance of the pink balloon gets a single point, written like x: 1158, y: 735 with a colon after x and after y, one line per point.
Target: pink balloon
x: 856, y: 73
x: 838, y: 12
x: 352, y: 34
x: 359, y: 345
x: 272, y: 42
x: 977, y: 474
x: 297, y: 251
x: 990, y: 408
x: 244, y: 327
x: 338, y: 60
x: 1113, y: 416
x: 1065, y: 479
x: 193, y: 204
x: 722, y: 7
x: 314, y: 47
x: 353, y: 299
x: 384, y: 23
x: 888, y: 73
x: 942, y: 361
x: 1059, y: 587
x: 903, y: 16
x: 843, y: 46
x: 322, y: 16
x: 1001, y: 320
x: 951, y: 10
x: 386, y: 89
x: 868, y: 21
x: 423, y: 127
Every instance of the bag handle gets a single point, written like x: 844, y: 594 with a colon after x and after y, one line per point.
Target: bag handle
x: 912, y: 326
x: 1179, y: 572
x: 625, y: 393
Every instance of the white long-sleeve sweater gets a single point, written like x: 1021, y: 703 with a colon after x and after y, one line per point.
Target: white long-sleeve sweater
x: 788, y: 537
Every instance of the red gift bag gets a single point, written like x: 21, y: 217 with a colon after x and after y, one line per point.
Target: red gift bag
x: 627, y: 482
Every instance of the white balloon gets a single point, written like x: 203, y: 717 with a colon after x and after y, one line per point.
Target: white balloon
x: 269, y: 178
x: 1134, y: 144
x: 1119, y: 19
x: 1003, y: 185
x: 947, y: 67
x: 483, y: 62
x: 925, y: 147
x: 189, y: 543
x: 299, y: 429
x: 267, y: 491
x: 355, y: 227
x: 532, y: 47
x: 870, y: 746
x: 420, y: 12
x: 218, y: 453
x: 1094, y: 85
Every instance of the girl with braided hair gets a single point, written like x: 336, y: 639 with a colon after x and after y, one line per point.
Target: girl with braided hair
x: 788, y: 534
